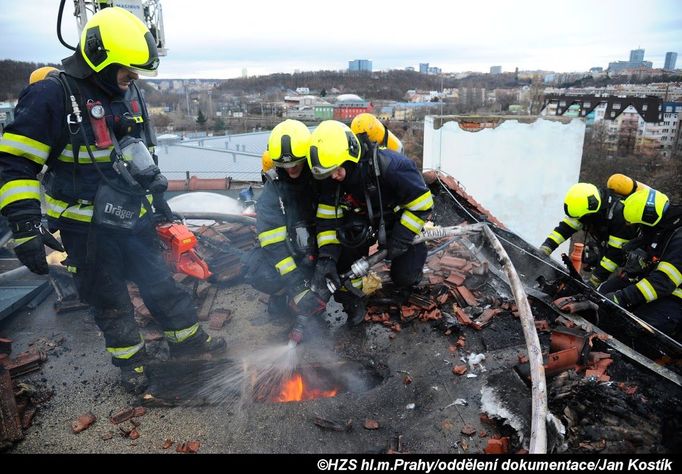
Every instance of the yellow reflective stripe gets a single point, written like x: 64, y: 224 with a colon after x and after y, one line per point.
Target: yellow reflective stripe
x: 327, y: 237
x: 143, y: 209
x: 273, y: 236
x: 608, y: 264
x: 126, y: 352
x: 357, y: 283
x: 677, y: 292
x: 300, y: 296
x: 421, y: 203
x: 411, y: 221
x: 671, y: 271
x: 19, y: 189
x: 557, y: 237
x: 19, y: 145
x: 71, y: 269
x: 572, y: 223
x: 647, y: 290
x: 182, y: 334
x: 617, y: 242
x: 101, y: 156
x: 77, y: 212
x: 23, y: 240
x: 285, y: 266
x: 328, y: 212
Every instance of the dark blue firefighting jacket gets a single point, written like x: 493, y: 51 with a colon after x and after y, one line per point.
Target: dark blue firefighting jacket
x: 405, y: 198
x: 285, y: 209
x: 39, y: 137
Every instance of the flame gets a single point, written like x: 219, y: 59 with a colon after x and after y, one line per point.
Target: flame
x: 294, y: 390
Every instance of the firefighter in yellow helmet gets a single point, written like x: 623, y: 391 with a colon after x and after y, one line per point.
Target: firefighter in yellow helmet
x: 369, y: 193
x: 80, y: 126
x: 285, y: 221
x: 654, y: 291
x: 600, y: 215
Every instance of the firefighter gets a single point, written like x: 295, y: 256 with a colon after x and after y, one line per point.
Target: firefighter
x: 368, y: 193
x: 654, y: 293
x: 600, y: 214
x: 90, y: 129
x: 285, y: 218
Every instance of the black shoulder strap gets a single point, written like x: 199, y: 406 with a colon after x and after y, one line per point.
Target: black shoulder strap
x: 148, y: 134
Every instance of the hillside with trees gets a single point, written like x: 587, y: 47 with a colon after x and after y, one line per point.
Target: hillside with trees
x: 14, y: 77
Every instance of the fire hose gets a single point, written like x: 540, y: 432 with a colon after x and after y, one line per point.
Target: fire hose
x: 362, y: 266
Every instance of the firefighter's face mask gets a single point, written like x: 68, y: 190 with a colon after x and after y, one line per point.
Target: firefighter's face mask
x: 142, y: 166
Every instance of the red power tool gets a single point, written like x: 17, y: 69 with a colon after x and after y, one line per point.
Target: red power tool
x: 178, y: 244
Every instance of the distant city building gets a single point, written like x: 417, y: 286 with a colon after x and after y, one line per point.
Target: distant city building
x: 596, y: 70
x: 245, y: 73
x: 423, y: 68
x: 636, y: 55
x: 670, y: 60
x: 409, y: 68
x: 349, y: 105
x: 360, y: 65
x: 636, y: 62
x: 434, y: 70
x: 495, y: 69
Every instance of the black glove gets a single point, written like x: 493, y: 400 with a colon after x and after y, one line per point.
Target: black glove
x: 325, y: 269
x: 397, y: 247
x: 31, y: 237
x: 163, y: 212
x: 637, y: 263
x: 619, y: 298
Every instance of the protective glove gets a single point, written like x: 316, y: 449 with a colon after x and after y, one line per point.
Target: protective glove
x: 296, y: 333
x: 163, y: 213
x: 594, y: 281
x: 636, y: 263
x: 325, y: 269
x: 619, y: 298
x: 397, y: 247
x: 31, y: 237
x: 546, y: 250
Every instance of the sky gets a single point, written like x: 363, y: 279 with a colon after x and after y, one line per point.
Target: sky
x: 220, y: 38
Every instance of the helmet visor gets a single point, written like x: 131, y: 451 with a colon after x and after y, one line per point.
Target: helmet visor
x: 320, y: 172
x: 288, y: 163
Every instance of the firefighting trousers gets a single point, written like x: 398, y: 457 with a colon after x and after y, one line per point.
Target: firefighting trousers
x: 103, y: 263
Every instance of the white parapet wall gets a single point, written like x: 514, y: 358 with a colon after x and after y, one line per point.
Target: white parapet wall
x: 519, y: 168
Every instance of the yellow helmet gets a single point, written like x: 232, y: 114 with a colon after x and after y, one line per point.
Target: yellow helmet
x: 41, y: 73
x: 115, y: 36
x: 266, y: 162
x: 646, y: 206
x: 332, y: 144
x: 288, y: 143
x: 582, y: 199
x: 376, y: 131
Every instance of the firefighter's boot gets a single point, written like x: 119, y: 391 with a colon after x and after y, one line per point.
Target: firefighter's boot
x: 353, y: 306
x: 198, y: 346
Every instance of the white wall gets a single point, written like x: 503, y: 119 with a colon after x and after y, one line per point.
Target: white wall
x: 519, y: 171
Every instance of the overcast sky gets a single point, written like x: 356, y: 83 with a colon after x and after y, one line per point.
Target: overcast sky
x: 218, y: 38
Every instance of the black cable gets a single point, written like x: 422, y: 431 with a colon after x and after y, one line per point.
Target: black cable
x: 59, y: 26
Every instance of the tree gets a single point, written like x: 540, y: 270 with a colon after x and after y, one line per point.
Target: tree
x: 201, y: 119
x: 219, y: 125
